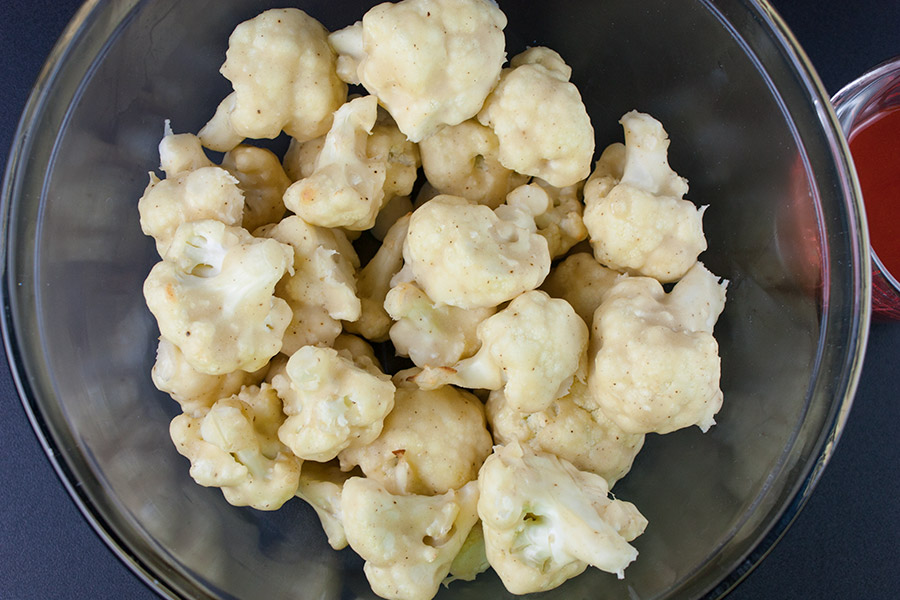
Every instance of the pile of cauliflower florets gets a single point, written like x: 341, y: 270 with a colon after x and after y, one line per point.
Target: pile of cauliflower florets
x: 524, y: 289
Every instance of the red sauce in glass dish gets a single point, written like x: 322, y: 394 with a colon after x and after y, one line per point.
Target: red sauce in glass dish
x: 875, y: 146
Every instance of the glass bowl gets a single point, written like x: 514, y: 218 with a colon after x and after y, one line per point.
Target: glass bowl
x: 750, y: 126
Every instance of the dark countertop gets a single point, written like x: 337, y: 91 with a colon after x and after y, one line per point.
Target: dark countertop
x: 844, y: 544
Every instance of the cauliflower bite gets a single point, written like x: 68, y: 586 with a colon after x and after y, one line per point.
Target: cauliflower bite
x: 634, y: 211
x: 196, y: 392
x: 333, y: 401
x: 429, y: 333
x: 320, y: 486
x: 432, y: 441
x: 581, y: 281
x: 462, y: 160
x: 657, y: 366
x: 374, y: 282
x: 430, y: 62
x: 545, y: 521
x: 213, y: 296
x: 284, y: 77
x: 322, y: 289
x: 466, y: 255
x: 181, y: 153
x: 532, y: 349
x: 263, y: 181
x: 573, y: 428
x: 407, y: 541
x: 561, y: 223
x: 538, y: 117
x: 234, y: 446
x: 346, y: 188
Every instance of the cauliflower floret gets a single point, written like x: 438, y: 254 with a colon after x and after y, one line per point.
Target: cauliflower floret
x: 430, y: 333
x: 213, y: 296
x: 234, y: 446
x: 538, y: 116
x: 333, y: 401
x: 263, y: 181
x: 407, y: 541
x: 208, y: 192
x: 196, y: 392
x: 532, y: 349
x: 320, y: 486
x: 346, y: 188
x: 358, y: 348
x: 561, y: 224
x: 545, y: 521
x: 582, y: 282
x: 467, y: 255
x: 284, y: 77
x: 573, y: 428
x: 657, y: 367
x: 634, y: 208
x: 430, y: 62
x: 322, y: 289
x: 374, y: 282
x: 462, y: 160
x: 181, y: 153
x: 432, y: 441
x: 471, y: 560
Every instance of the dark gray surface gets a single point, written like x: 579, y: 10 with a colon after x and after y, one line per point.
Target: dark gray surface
x: 843, y: 545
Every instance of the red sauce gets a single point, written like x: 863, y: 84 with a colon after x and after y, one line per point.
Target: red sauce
x: 875, y: 147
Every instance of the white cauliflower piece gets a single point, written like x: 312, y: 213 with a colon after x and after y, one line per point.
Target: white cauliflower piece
x: 467, y: 255
x: 532, y: 349
x: 346, y: 188
x: 540, y: 120
x: 299, y: 160
x: 373, y: 284
x: 332, y: 401
x: 561, y: 224
x: 181, y: 153
x: 213, y: 296
x: 196, y: 392
x: 320, y: 486
x: 471, y: 560
x: 573, y: 428
x: 358, y: 348
x: 657, y: 368
x: 582, y: 282
x: 462, y: 160
x: 432, y: 441
x: 430, y: 333
x: 545, y: 521
x: 322, y: 289
x: 263, y: 181
x: 284, y: 77
x: 407, y: 541
x: 635, y: 212
x: 430, y: 62
x: 234, y: 446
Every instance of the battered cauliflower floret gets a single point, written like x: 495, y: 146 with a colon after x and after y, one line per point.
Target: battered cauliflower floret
x: 299, y: 160
x: 657, y: 368
x: 196, y: 392
x: 208, y: 192
x: 346, y: 188
x: 234, y: 446
x: 432, y: 442
x: 263, y: 181
x: 582, y: 282
x: 374, y: 282
x: 573, y: 428
x: 462, y: 160
x: 561, y: 224
x: 471, y: 560
x: 540, y: 120
x: 332, y: 401
x: 532, y: 349
x: 284, y: 77
x: 467, y: 255
x: 359, y: 349
x: 213, y: 296
x: 322, y: 289
x: 635, y: 212
x: 545, y: 521
x: 429, y: 333
x: 407, y: 541
x: 181, y: 153
x: 320, y: 486
x: 430, y: 62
